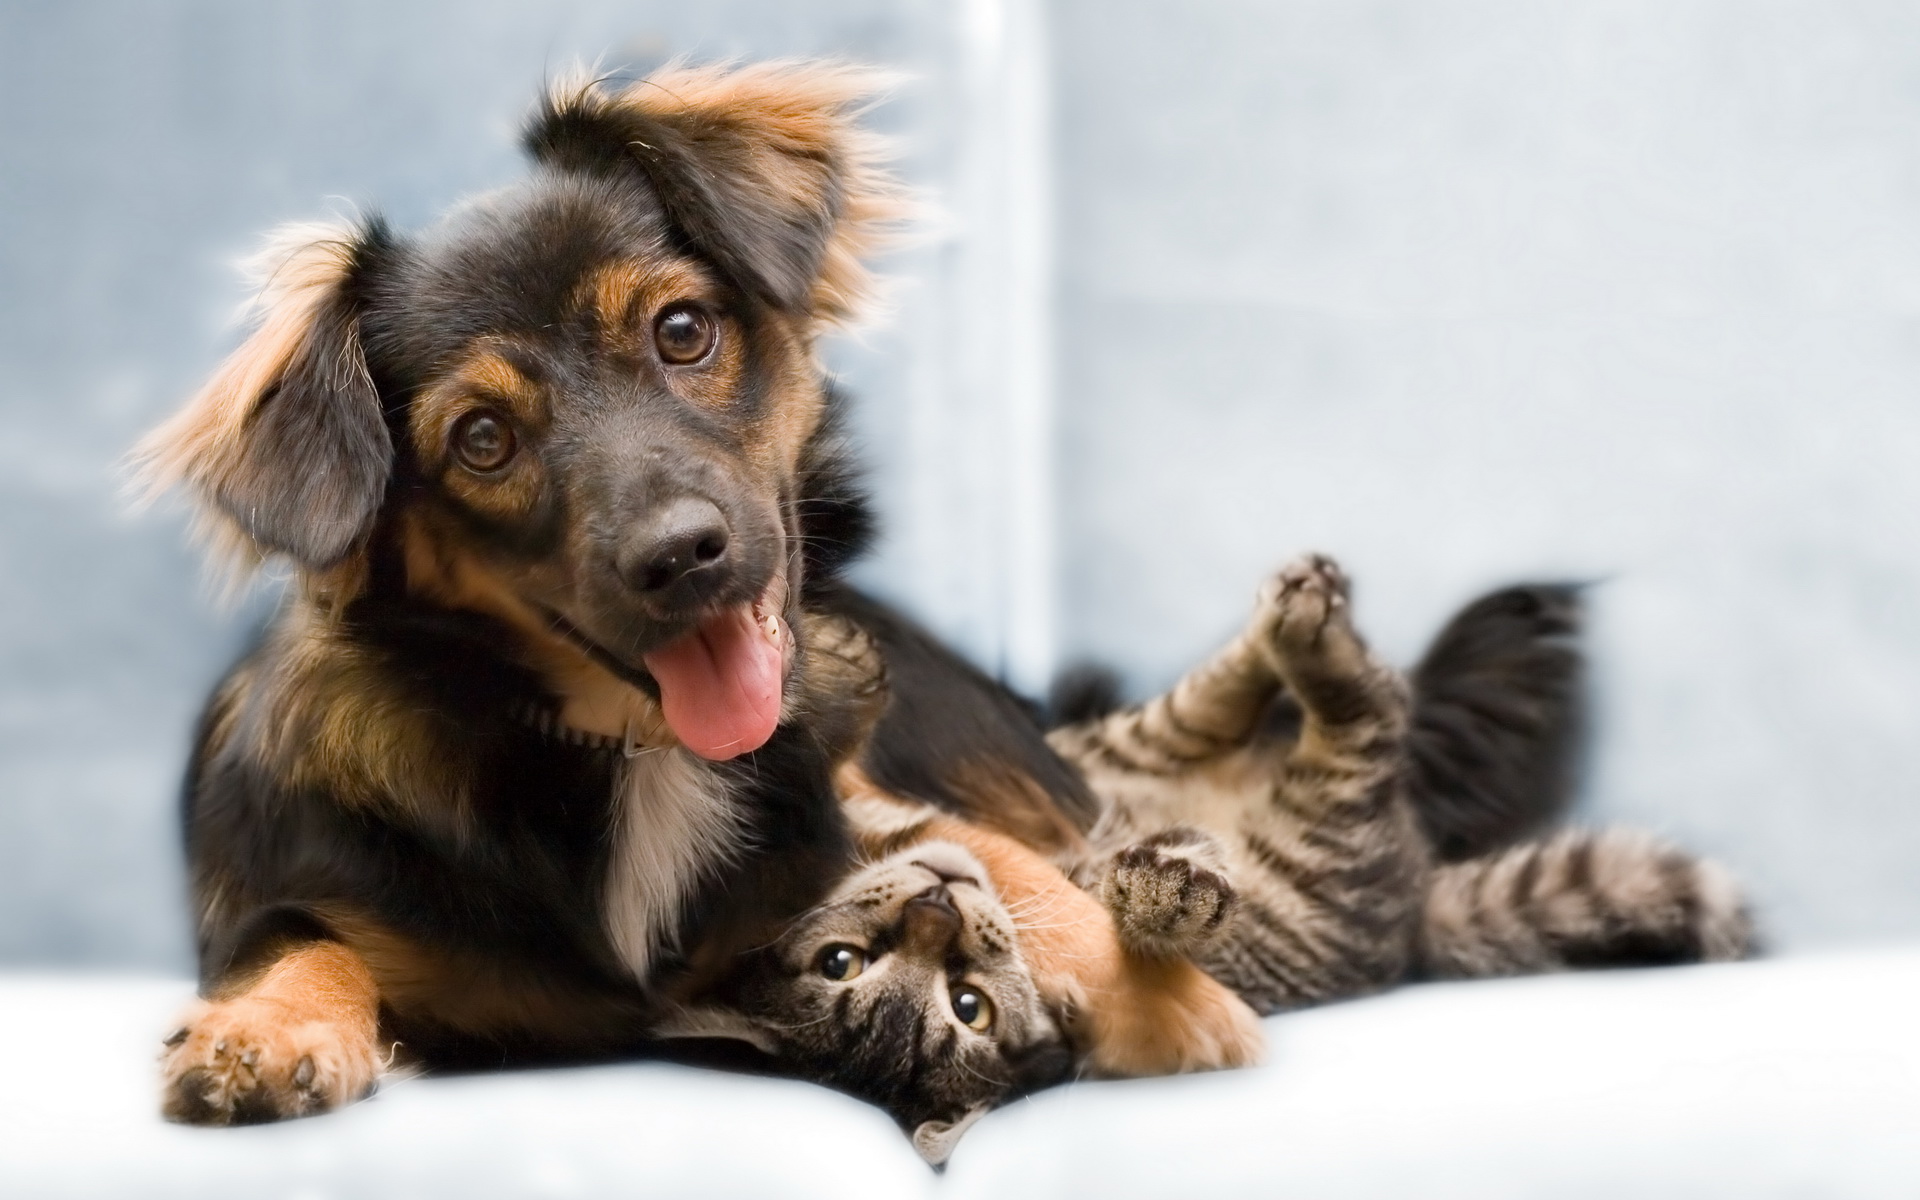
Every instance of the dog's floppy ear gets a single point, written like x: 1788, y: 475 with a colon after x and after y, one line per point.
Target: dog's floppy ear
x: 286, y: 447
x: 763, y: 170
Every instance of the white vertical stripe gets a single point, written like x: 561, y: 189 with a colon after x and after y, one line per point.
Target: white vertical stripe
x: 982, y: 496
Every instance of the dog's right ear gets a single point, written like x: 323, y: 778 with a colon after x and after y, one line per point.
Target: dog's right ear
x: 286, y: 448
x: 764, y: 170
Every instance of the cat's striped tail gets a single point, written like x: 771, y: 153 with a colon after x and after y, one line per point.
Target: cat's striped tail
x: 1614, y: 898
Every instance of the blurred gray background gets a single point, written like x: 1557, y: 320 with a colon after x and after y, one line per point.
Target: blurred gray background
x: 1462, y: 292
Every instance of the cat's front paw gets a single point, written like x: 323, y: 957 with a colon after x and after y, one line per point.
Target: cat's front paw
x: 1169, y: 895
x: 247, y: 1061
x: 844, y: 683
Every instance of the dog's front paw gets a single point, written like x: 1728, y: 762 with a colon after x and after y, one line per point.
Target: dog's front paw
x: 250, y: 1060
x: 1169, y: 895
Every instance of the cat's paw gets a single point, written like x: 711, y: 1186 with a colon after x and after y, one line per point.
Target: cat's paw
x: 1304, y: 621
x: 844, y: 683
x: 1304, y: 610
x: 1169, y: 895
x: 249, y: 1061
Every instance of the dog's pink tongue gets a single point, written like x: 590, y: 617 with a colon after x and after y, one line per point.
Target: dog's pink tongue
x: 720, y: 685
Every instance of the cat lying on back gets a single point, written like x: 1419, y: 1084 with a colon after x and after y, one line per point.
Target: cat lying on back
x: 1264, y: 842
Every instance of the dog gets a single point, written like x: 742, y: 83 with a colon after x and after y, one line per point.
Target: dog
x: 539, y: 740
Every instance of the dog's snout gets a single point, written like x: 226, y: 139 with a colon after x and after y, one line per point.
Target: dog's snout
x: 686, y: 535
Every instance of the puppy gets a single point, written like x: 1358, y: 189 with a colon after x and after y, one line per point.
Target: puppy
x: 536, y: 742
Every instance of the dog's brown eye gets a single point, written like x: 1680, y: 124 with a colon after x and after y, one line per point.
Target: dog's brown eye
x: 483, y: 441
x: 685, y: 334
x: 973, y: 1008
x: 841, y: 963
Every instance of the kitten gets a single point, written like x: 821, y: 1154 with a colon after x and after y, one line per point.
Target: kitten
x: 1258, y: 830
x: 1296, y: 867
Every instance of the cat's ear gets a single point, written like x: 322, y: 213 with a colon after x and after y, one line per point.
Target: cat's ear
x: 708, y: 1021
x: 935, y: 1140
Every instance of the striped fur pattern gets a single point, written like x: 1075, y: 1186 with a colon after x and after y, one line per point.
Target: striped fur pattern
x: 1291, y: 864
x: 1580, y: 899
x: 1311, y: 837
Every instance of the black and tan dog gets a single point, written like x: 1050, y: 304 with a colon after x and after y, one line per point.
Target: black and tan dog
x: 541, y: 736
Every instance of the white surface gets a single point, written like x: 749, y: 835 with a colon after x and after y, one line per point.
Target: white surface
x: 1794, y: 1078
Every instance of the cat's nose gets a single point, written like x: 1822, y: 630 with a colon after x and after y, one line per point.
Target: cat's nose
x: 931, y: 921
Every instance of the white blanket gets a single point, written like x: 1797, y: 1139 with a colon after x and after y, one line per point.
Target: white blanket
x: 1791, y: 1078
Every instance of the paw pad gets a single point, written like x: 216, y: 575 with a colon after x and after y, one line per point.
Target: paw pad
x: 1163, y: 900
x: 237, y: 1064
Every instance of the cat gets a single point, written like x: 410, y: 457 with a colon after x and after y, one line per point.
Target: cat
x: 1266, y: 839
x: 1286, y: 855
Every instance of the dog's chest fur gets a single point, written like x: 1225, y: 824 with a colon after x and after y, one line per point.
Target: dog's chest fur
x: 674, y: 823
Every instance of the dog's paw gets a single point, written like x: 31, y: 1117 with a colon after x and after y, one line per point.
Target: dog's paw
x: 1169, y: 895
x: 249, y: 1061
x: 1166, y: 1017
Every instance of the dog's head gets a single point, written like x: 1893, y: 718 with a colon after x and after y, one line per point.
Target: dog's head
x: 584, y: 404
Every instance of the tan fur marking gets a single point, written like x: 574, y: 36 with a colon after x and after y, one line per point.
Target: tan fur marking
x: 300, y: 1039
x: 337, y: 722
x: 796, y: 400
x: 441, y: 568
x: 484, y: 380
x: 627, y: 295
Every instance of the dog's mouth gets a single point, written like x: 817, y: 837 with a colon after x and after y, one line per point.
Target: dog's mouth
x: 720, y: 684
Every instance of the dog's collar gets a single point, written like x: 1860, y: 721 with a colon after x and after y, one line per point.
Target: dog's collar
x: 545, y: 720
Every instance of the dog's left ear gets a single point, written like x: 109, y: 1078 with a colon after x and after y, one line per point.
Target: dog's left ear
x: 286, y: 447
x: 763, y: 169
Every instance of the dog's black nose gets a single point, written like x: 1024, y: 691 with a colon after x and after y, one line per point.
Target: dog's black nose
x: 684, y: 535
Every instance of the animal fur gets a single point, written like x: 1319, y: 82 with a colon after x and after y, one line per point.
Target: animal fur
x: 1262, y: 840
x: 448, y: 774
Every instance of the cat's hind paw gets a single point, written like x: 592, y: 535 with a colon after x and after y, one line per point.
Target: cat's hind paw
x: 1304, y: 623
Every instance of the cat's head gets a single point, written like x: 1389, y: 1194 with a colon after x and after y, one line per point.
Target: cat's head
x: 905, y: 987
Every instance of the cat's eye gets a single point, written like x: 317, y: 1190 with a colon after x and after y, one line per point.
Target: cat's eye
x: 685, y: 333
x: 483, y: 441
x: 971, y: 1005
x: 841, y: 963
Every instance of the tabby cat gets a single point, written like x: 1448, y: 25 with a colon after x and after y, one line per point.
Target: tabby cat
x: 1278, y: 823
